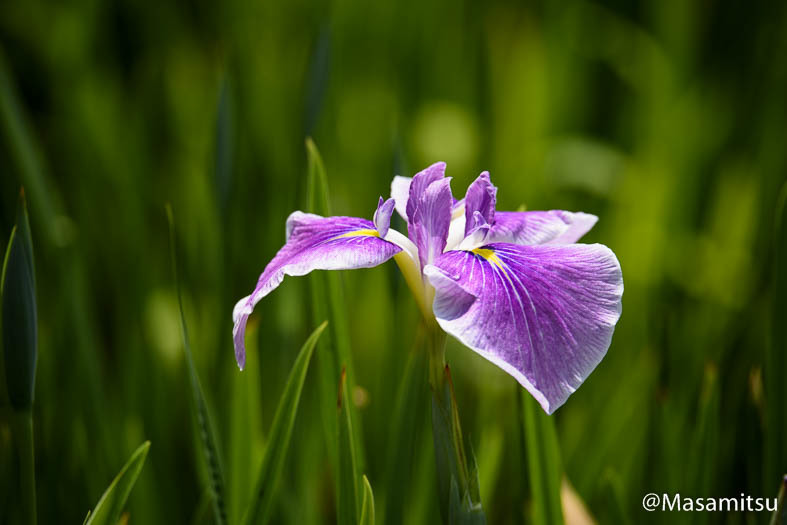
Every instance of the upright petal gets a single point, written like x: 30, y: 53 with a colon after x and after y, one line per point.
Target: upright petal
x: 540, y: 227
x: 400, y: 193
x: 382, y: 216
x: 544, y: 314
x: 313, y: 243
x: 430, y: 218
x: 420, y: 182
x: 481, y: 197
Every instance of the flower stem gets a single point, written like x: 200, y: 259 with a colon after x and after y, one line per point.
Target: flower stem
x: 436, y: 347
x: 457, y: 485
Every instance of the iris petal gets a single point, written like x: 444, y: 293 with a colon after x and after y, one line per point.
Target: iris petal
x: 481, y: 198
x: 430, y: 218
x: 540, y: 227
x: 382, y: 216
x: 544, y: 314
x: 313, y: 243
x: 400, y: 193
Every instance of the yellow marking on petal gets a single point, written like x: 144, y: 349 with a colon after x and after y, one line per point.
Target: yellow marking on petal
x: 492, y: 257
x: 359, y: 233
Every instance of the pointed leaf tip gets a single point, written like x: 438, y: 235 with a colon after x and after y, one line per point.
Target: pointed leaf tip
x: 367, y: 507
x: 108, y: 508
x: 19, y: 313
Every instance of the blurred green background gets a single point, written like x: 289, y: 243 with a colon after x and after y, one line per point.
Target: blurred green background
x: 666, y: 119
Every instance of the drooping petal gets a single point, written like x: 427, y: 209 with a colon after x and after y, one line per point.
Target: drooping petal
x: 540, y: 227
x: 429, y: 218
x: 544, y: 314
x: 400, y: 193
x: 481, y: 197
x: 313, y: 243
x: 382, y: 216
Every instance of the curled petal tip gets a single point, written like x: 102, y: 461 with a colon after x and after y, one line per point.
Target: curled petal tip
x: 382, y: 216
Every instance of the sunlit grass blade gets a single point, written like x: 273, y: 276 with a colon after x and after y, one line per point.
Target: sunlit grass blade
x: 776, y: 353
x: 198, y: 405
x: 328, y: 303
x: 107, y: 510
x: 780, y: 515
x: 279, y: 437
x: 543, y: 462
x: 20, y: 350
x: 347, y: 487
x: 367, y: 506
x: 326, y: 362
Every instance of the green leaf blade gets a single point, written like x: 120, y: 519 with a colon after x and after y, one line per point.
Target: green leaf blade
x: 108, y: 508
x: 543, y: 462
x: 19, y: 314
x: 347, y: 487
x: 281, y: 430
x: 198, y: 404
x: 367, y: 507
x: 335, y: 354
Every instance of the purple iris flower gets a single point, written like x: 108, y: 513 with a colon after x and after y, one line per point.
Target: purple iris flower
x: 512, y: 286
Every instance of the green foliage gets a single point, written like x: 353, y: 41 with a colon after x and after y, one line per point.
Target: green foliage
x: 664, y: 119
x: 347, y: 498
x: 367, y: 505
x: 543, y: 462
x: 457, y: 478
x: 199, y: 407
x: 328, y: 303
x: 261, y: 506
x: 108, y: 508
x: 19, y: 323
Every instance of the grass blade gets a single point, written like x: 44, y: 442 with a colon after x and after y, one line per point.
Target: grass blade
x: 328, y: 303
x: 327, y: 361
x: 543, y: 462
x: 367, y: 507
x: 19, y: 314
x: 407, y: 421
x: 704, y: 450
x: 279, y: 438
x: 198, y: 405
x: 20, y: 351
x: 347, y: 488
x: 113, y: 500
